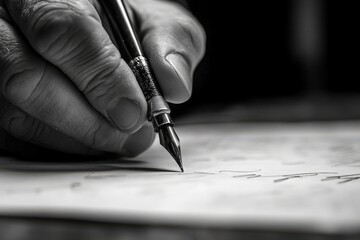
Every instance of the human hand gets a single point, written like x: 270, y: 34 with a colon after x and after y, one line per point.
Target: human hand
x: 64, y: 85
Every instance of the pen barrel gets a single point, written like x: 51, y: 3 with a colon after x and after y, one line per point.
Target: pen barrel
x: 123, y: 32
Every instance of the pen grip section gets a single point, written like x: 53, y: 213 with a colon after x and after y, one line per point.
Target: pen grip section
x: 158, y: 108
x: 145, y: 78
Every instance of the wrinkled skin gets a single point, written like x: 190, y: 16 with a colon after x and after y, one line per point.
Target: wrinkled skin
x: 64, y: 85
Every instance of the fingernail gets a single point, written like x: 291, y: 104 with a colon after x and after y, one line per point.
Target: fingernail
x: 125, y: 113
x: 140, y: 141
x: 181, y: 68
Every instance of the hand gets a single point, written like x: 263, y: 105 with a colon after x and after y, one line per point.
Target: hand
x: 64, y: 85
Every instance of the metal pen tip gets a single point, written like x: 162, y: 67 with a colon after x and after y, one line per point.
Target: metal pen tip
x: 170, y: 141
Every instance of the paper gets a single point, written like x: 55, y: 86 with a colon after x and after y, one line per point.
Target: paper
x: 281, y: 176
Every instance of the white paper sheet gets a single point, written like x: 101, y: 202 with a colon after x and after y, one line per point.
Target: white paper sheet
x: 291, y: 176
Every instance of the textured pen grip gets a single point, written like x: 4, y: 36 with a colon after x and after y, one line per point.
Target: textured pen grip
x: 145, y: 78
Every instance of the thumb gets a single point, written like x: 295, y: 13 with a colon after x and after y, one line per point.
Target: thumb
x: 174, y: 42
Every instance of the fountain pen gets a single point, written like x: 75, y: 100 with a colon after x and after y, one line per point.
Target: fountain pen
x: 128, y: 43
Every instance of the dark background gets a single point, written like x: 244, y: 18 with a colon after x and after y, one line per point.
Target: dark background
x: 253, y: 52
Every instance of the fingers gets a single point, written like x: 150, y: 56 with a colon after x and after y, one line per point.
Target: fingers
x: 69, y: 34
x: 22, y: 126
x: 19, y: 125
x: 44, y: 93
x: 174, y: 42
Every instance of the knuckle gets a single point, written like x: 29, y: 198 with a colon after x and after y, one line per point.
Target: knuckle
x: 48, y: 26
x: 90, y: 136
x: 102, y: 137
x: 10, y: 47
x: 101, y: 78
x: 53, y: 24
x: 21, y: 85
x: 24, y: 127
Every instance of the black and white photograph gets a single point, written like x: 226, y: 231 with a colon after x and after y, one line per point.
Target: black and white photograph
x: 179, y: 120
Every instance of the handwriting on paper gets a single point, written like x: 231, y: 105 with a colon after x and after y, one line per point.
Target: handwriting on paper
x: 285, y: 174
x: 343, y: 178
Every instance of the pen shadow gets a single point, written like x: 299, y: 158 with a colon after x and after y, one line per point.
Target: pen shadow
x: 74, y: 163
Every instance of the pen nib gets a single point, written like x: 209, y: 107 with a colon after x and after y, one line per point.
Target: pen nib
x: 170, y: 141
